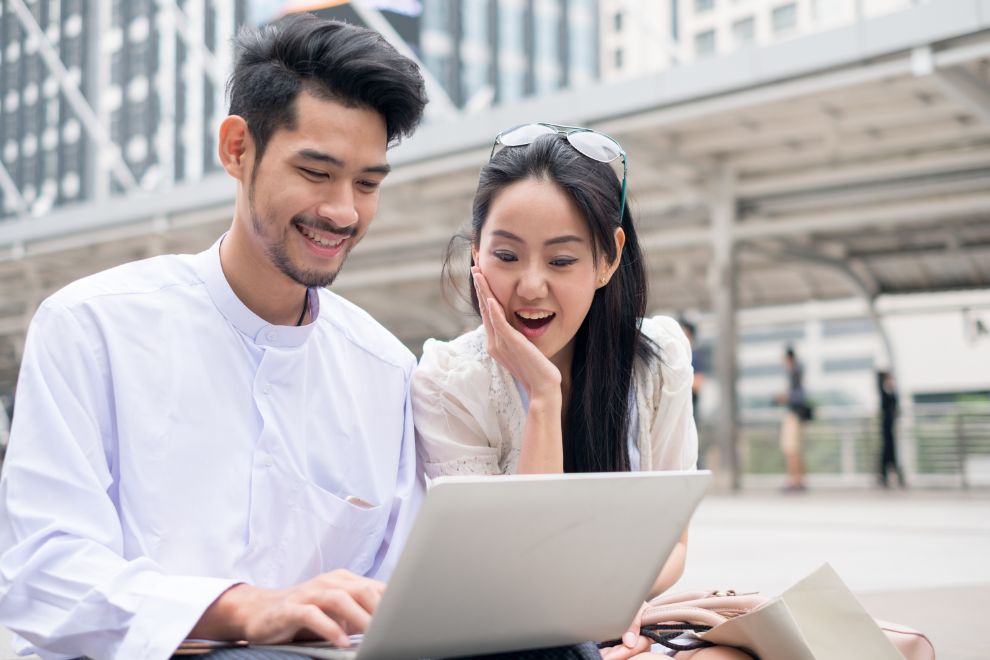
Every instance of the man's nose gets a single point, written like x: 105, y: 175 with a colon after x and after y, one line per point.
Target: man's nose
x: 338, y: 207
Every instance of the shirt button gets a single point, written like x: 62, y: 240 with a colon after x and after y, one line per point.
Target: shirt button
x: 269, y: 462
x: 267, y: 389
x: 270, y: 335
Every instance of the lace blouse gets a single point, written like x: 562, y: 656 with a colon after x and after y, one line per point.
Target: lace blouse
x: 470, y: 417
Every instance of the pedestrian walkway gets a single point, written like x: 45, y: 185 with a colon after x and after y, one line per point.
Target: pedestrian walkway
x: 918, y: 558
x: 914, y: 557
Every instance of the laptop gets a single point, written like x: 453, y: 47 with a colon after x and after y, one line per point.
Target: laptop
x: 514, y: 562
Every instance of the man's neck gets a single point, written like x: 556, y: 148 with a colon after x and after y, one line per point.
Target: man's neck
x: 258, y: 283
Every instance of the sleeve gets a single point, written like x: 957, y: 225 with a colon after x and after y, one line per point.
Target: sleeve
x: 409, y: 490
x: 673, y: 435
x: 454, y: 416
x: 66, y: 588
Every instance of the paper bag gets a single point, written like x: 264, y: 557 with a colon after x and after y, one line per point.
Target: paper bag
x: 816, y: 619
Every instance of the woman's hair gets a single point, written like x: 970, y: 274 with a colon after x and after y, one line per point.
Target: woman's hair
x: 332, y: 60
x: 609, y: 341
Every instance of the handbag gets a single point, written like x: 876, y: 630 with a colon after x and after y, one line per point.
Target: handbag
x: 681, y: 622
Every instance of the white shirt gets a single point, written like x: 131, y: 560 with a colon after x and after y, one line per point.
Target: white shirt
x: 470, y: 417
x: 169, y: 443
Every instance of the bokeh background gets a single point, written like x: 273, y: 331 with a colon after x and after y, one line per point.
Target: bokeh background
x: 804, y: 173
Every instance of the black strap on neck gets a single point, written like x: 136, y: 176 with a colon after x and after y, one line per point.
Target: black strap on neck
x: 305, y: 307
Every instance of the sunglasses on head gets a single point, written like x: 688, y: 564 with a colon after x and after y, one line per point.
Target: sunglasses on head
x: 594, y: 145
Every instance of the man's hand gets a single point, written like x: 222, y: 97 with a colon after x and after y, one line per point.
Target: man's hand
x: 331, y: 606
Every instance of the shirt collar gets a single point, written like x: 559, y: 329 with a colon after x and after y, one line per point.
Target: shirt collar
x: 240, y: 316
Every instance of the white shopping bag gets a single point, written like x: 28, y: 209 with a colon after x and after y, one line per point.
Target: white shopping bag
x: 816, y: 619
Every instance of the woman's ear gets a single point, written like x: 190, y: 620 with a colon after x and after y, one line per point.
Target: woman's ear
x: 620, y: 242
x: 235, y: 146
x: 474, y: 254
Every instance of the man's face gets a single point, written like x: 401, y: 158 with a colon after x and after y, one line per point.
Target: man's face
x: 315, y: 190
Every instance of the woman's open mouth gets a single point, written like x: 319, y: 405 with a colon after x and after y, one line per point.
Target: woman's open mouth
x: 534, y: 323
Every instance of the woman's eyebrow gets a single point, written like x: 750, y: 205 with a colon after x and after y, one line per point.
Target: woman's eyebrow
x: 568, y: 238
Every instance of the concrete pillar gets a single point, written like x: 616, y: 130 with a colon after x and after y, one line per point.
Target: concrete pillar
x: 722, y: 274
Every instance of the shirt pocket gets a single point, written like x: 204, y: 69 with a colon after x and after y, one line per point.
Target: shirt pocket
x: 340, y: 534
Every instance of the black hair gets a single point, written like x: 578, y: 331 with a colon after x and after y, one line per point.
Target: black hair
x: 789, y: 353
x: 332, y: 60
x: 608, y: 343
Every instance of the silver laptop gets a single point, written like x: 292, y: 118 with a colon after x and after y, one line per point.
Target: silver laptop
x: 526, y: 561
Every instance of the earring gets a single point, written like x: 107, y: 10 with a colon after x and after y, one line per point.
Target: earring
x: 603, y: 280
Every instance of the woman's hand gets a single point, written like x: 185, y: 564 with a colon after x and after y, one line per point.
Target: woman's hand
x: 512, y: 350
x: 542, y: 450
x: 633, y: 643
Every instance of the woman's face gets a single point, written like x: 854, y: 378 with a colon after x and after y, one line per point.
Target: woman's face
x: 535, y: 250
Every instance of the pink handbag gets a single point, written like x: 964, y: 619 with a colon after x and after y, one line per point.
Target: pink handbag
x: 668, y: 617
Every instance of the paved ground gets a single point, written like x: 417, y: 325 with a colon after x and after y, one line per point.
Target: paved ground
x: 918, y: 558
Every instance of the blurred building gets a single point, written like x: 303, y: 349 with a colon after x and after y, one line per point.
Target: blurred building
x: 500, y: 51
x: 107, y: 96
x: 643, y: 37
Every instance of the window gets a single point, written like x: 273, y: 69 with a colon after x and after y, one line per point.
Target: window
x: 837, y: 365
x: 775, y: 334
x: 704, y: 43
x: 617, y: 58
x: 742, y: 31
x: 852, y: 326
x: 617, y: 21
x: 701, y: 6
x: 785, y: 18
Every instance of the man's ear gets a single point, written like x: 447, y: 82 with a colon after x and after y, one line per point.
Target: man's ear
x: 235, y: 146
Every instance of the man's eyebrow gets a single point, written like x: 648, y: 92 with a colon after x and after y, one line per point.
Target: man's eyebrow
x: 320, y: 156
x: 568, y: 238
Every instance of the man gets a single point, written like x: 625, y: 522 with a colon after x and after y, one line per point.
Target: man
x: 214, y: 445
x: 888, y: 422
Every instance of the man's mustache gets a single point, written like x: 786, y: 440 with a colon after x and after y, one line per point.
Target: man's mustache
x: 323, y: 225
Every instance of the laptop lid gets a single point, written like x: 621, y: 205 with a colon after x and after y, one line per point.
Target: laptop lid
x: 516, y: 562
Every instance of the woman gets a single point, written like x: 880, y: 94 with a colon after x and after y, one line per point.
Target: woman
x: 563, y: 351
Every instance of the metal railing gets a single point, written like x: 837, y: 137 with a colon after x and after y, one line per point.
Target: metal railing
x: 939, y: 445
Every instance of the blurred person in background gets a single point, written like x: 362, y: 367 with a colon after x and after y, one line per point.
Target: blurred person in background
x: 564, y: 374
x: 700, y: 367
x: 888, y: 421
x: 215, y: 445
x: 796, y: 411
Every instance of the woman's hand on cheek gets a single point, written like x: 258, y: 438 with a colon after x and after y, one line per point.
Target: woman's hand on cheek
x: 511, y: 349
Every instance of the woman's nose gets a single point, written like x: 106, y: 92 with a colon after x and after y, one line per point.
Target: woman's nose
x: 532, y: 284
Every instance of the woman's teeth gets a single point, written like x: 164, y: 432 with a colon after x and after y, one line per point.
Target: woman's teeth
x: 534, y: 320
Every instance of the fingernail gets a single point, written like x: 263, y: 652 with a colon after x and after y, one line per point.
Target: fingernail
x: 629, y: 639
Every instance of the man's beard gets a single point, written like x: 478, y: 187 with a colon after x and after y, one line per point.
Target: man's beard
x: 279, y: 254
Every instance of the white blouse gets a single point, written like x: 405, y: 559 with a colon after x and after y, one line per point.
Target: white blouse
x: 470, y: 418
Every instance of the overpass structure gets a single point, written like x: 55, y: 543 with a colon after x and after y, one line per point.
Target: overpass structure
x: 849, y: 162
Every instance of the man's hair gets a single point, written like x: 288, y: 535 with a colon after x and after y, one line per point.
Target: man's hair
x: 331, y: 60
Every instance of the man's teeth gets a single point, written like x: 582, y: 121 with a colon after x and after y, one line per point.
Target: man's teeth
x: 534, y: 316
x: 318, y: 240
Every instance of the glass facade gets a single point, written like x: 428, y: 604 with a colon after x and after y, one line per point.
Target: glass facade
x: 509, y: 49
x: 145, y: 94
